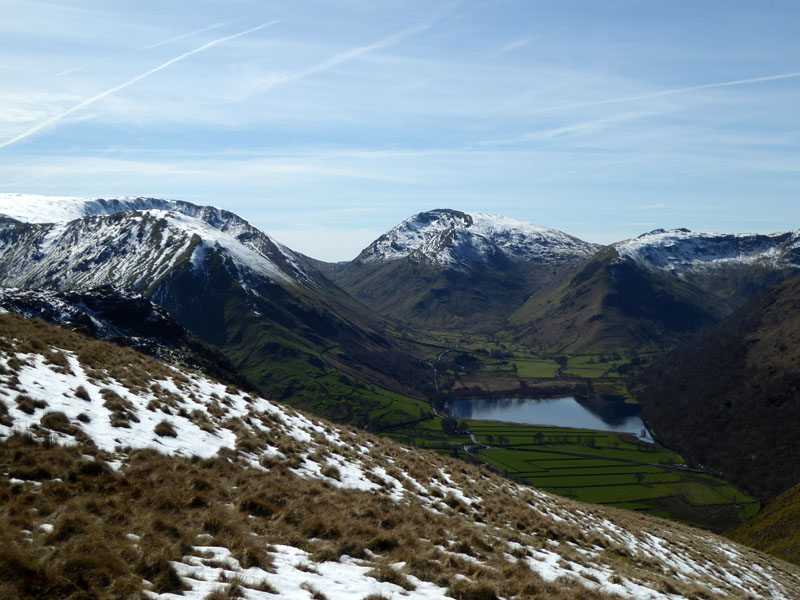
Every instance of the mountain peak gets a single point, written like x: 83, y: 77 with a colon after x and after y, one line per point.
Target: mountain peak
x: 456, y: 239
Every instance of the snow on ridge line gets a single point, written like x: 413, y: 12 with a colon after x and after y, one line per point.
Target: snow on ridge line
x: 684, y: 249
x: 33, y: 208
x: 216, y: 227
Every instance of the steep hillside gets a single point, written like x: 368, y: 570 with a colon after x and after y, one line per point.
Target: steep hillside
x: 449, y: 269
x: 252, y: 499
x: 283, y: 324
x: 730, y: 399
x: 776, y: 529
x: 655, y: 291
x: 127, y: 319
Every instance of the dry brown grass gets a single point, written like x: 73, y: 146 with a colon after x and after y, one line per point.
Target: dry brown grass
x: 169, y: 502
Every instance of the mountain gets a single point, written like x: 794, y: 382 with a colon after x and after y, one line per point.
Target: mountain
x: 655, y: 291
x: 729, y: 400
x: 125, y: 477
x: 290, y: 330
x: 127, y: 319
x: 447, y: 268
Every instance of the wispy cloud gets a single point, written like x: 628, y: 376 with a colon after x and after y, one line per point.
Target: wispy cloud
x: 55, y: 119
x: 143, y: 48
x: 670, y: 92
x: 341, y: 58
x: 513, y: 46
x: 573, y: 130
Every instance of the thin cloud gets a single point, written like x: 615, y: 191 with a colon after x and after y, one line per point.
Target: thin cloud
x: 672, y: 92
x: 156, y: 45
x: 93, y: 99
x: 342, y: 58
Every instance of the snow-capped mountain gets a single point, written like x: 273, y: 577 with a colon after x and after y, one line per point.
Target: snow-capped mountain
x: 682, y: 251
x: 446, y: 268
x: 218, y: 276
x: 71, y: 243
x: 248, y: 498
x: 456, y: 239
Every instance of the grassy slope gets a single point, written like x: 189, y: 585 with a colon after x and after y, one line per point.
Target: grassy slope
x: 776, y: 529
x: 608, y: 306
x: 429, y: 296
x: 77, y: 521
x: 730, y: 399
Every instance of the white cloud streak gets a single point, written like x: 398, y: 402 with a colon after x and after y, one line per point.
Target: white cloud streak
x: 341, y: 58
x: 156, y: 45
x: 671, y: 92
x: 55, y: 119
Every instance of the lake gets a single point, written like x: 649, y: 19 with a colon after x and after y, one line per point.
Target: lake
x: 562, y: 412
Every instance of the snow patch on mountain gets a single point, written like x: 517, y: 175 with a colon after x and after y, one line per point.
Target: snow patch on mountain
x: 136, y: 241
x: 682, y: 250
x: 452, y: 238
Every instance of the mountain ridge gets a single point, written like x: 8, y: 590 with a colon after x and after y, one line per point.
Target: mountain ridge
x: 285, y: 325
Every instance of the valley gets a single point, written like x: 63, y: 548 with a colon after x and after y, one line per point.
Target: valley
x: 410, y: 350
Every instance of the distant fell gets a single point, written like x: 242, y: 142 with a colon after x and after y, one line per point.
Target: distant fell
x: 449, y: 269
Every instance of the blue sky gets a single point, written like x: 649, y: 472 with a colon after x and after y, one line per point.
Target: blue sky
x: 325, y: 123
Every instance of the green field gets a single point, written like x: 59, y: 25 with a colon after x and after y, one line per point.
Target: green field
x: 593, y: 466
x: 535, y: 367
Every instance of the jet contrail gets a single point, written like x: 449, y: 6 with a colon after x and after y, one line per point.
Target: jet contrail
x: 344, y: 57
x: 668, y: 92
x: 121, y: 86
x: 157, y: 44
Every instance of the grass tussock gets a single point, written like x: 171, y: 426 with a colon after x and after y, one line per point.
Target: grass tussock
x: 165, y: 429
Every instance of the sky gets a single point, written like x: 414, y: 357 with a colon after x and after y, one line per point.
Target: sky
x: 326, y: 123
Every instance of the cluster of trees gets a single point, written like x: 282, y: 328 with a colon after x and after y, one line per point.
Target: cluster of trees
x: 452, y: 427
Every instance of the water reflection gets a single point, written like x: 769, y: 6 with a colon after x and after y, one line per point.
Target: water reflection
x: 562, y: 412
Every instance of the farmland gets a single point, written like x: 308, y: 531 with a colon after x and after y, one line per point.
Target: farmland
x: 592, y: 466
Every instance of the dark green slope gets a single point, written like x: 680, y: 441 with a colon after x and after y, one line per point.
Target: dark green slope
x: 427, y: 295
x: 611, y: 304
x: 730, y: 399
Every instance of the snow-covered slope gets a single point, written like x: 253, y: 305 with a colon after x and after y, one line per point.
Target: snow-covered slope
x: 682, y: 251
x: 80, y: 243
x: 453, y: 238
x: 475, y: 531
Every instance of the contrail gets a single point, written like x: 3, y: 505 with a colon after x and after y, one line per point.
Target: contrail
x: 156, y: 45
x: 344, y: 57
x: 121, y: 86
x: 669, y: 92
x: 183, y: 36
